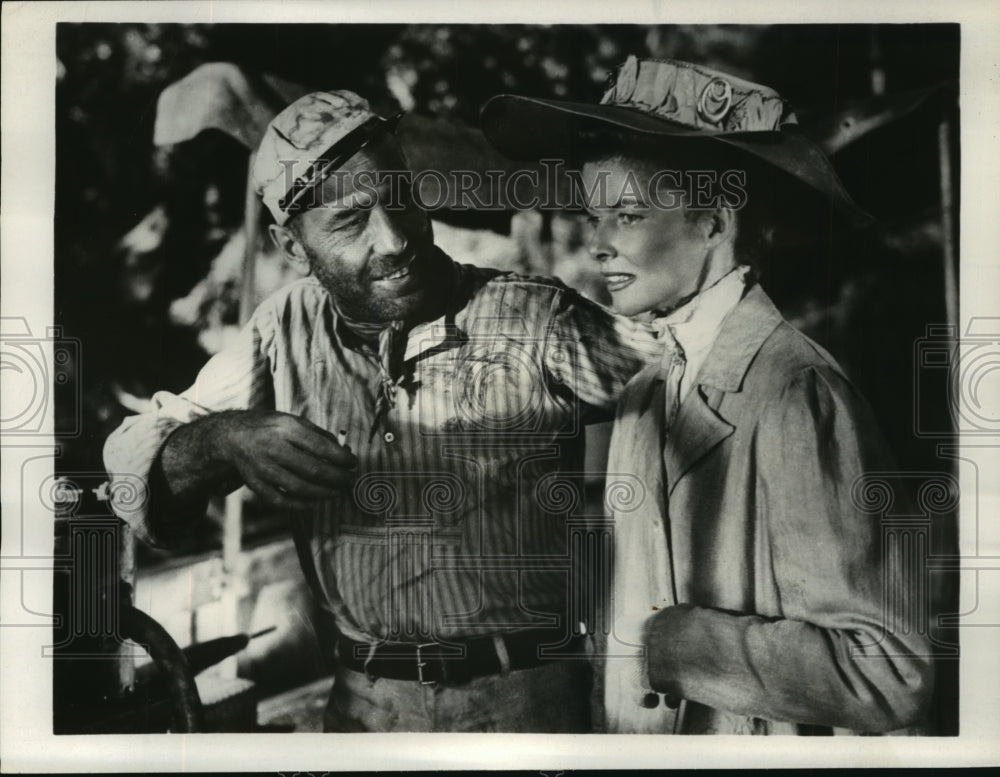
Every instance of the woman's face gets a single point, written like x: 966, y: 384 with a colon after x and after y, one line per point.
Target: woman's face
x: 653, y: 255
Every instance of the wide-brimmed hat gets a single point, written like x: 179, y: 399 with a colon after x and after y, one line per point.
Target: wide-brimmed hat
x: 681, y: 101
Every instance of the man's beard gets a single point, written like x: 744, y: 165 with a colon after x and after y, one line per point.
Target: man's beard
x: 357, y: 300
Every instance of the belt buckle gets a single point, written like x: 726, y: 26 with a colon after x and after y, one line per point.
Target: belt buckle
x: 421, y: 664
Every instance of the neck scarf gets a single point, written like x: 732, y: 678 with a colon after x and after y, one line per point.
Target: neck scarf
x: 390, y: 340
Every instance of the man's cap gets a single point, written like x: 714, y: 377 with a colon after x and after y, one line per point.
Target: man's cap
x: 676, y: 100
x: 306, y: 142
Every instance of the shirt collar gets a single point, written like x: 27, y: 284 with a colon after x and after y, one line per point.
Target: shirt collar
x: 425, y: 336
x: 430, y: 334
x: 359, y: 330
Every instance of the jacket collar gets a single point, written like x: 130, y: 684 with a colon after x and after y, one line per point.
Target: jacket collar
x: 742, y: 334
x: 699, y: 427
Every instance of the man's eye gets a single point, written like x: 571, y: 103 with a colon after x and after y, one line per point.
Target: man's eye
x: 629, y: 218
x: 592, y: 220
x: 350, y: 223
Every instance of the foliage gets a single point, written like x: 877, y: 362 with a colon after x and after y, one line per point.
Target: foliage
x: 117, y: 299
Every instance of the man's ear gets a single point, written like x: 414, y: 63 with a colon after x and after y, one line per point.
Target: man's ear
x: 720, y: 226
x: 286, y: 241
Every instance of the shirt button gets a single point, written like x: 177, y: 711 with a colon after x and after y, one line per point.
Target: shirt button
x: 388, y: 437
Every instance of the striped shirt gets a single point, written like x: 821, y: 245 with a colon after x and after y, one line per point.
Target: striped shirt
x: 457, y: 524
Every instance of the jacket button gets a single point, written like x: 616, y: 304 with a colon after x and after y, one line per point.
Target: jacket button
x: 388, y: 437
x: 651, y: 701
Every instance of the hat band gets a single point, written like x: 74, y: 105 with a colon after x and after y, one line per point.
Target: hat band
x: 698, y: 98
x: 295, y: 200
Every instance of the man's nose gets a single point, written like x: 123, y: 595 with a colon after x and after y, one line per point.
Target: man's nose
x: 390, y: 231
x: 600, y: 246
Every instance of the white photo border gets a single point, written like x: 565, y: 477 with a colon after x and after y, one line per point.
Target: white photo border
x: 26, y: 250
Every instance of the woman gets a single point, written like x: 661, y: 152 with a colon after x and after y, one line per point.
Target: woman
x: 749, y: 586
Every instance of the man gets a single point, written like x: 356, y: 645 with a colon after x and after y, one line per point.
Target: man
x: 405, y: 411
x: 750, y: 588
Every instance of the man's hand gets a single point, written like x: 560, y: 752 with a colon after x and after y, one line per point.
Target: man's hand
x: 286, y: 460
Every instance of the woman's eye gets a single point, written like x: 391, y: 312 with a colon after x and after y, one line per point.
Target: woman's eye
x: 592, y: 220
x: 629, y: 218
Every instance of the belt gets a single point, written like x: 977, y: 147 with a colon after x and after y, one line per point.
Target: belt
x: 454, y: 663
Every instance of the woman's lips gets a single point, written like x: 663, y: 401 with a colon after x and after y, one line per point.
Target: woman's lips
x: 616, y: 281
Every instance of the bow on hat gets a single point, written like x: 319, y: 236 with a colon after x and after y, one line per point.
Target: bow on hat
x: 697, y: 98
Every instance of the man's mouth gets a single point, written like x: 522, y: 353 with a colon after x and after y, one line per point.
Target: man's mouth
x: 616, y: 281
x: 400, y: 273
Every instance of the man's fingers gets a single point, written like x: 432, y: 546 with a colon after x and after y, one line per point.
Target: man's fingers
x: 290, y: 462
x: 310, y: 468
x: 274, y: 497
x: 319, y: 442
x: 324, y: 448
x: 292, y: 483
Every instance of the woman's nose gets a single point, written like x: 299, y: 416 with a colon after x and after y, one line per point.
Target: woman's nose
x: 600, y: 246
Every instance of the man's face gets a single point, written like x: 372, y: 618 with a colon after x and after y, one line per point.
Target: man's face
x: 652, y: 257
x: 369, y: 244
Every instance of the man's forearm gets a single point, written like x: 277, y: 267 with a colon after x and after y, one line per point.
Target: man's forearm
x: 192, y: 466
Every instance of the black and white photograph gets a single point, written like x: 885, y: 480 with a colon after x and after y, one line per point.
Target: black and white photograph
x: 424, y: 373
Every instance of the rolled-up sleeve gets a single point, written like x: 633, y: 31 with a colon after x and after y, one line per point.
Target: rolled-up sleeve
x: 236, y: 378
x: 830, y: 660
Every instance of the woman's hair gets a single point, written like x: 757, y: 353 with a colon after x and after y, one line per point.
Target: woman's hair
x: 756, y: 221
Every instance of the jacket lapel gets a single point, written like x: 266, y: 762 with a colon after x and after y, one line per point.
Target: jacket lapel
x: 699, y: 427
x: 696, y: 430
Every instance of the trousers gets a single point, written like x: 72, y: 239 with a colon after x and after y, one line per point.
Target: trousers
x: 552, y: 698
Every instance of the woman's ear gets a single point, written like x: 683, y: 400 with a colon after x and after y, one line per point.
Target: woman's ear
x: 286, y: 241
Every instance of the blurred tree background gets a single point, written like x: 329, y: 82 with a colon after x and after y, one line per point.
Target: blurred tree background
x: 137, y: 228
